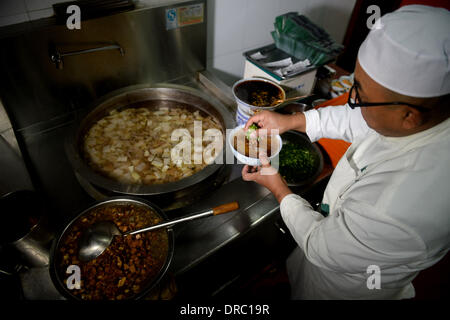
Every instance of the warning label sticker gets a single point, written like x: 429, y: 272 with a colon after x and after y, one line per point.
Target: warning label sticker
x: 184, y: 16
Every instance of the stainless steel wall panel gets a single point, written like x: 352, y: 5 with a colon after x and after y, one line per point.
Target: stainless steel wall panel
x: 34, y: 90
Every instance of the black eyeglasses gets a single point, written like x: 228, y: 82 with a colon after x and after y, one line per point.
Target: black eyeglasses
x: 355, y: 101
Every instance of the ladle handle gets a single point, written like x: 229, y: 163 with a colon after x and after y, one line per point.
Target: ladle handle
x: 228, y: 207
x: 293, y: 98
x: 224, y: 208
x: 297, y: 98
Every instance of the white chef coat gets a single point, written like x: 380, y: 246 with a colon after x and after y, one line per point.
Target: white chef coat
x: 389, y: 206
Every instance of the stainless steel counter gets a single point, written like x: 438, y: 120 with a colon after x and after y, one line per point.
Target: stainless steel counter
x: 45, y: 103
x: 195, y: 240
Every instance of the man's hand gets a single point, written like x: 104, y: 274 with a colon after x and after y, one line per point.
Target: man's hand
x: 268, y: 177
x: 270, y: 120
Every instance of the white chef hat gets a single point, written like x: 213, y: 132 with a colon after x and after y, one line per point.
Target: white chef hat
x: 409, y: 52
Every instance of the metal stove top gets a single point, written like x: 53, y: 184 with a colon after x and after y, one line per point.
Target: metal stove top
x: 195, y: 241
x: 68, y: 195
x: 46, y: 103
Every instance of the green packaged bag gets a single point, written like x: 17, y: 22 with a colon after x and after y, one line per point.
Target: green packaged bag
x: 298, y: 36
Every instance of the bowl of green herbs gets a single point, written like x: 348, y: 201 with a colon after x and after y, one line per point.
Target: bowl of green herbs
x: 300, y: 160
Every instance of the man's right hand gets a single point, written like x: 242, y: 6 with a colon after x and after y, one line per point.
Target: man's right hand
x: 273, y: 120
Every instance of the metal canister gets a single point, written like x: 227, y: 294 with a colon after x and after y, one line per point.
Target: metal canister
x: 244, y: 109
x: 25, y: 230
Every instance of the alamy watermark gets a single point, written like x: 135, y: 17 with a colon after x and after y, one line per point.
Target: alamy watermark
x: 74, y: 20
x: 74, y: 280
x: 182, y: 152
x: 373, y: 21
x: 374, y: 280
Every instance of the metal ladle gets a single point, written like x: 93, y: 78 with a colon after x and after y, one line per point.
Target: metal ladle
x: 100, y: 235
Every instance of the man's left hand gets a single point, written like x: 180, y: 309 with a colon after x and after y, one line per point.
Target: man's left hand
x: 268, y: 177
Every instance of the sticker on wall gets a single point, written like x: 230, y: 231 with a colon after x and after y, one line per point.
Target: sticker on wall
x: 184, y: 16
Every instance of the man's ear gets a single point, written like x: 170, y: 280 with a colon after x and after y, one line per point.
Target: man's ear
x: 412, y: 119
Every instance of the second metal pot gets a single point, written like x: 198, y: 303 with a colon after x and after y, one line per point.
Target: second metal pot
x: 25, y: 228
x: 59, y: 282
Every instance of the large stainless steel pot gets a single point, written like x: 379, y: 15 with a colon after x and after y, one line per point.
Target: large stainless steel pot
x: 59, y: 282
x: 160, y: 95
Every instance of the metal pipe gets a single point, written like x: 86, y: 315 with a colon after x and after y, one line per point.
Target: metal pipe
x: 56, y: 56
x: 110, y: 47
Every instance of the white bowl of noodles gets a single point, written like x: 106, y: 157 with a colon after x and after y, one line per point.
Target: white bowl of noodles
x: 269, y: 144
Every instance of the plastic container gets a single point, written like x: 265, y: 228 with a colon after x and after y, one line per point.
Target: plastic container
x: 346, y: 81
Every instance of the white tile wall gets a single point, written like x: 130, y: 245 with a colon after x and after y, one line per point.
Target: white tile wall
x: 332, y: 15
x: 256, y: 29
x: 293, y: 5
x: 39, y: 14
x: 229, y: 18
x: 238, y: 26
x: 33, y: 5
x: 13, y: 19
x: 17, y: 11
x: 228, y: 66
x: 9, y: 8
x: 12, y: 12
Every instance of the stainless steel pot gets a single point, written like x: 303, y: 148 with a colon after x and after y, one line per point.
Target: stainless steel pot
x: 25, y: 230
x: 160, y: 95
x: 302, y: 140
x: 59, y: 282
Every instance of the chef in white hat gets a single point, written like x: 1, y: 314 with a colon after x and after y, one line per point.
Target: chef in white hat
x: 385, y: 214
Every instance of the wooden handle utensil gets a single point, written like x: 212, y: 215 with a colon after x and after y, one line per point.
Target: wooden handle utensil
x: 224, y: 208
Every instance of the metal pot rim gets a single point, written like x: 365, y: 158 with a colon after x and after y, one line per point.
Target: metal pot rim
x: 171, y: 246
x: 252, y: 107
x: 96, y: 179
